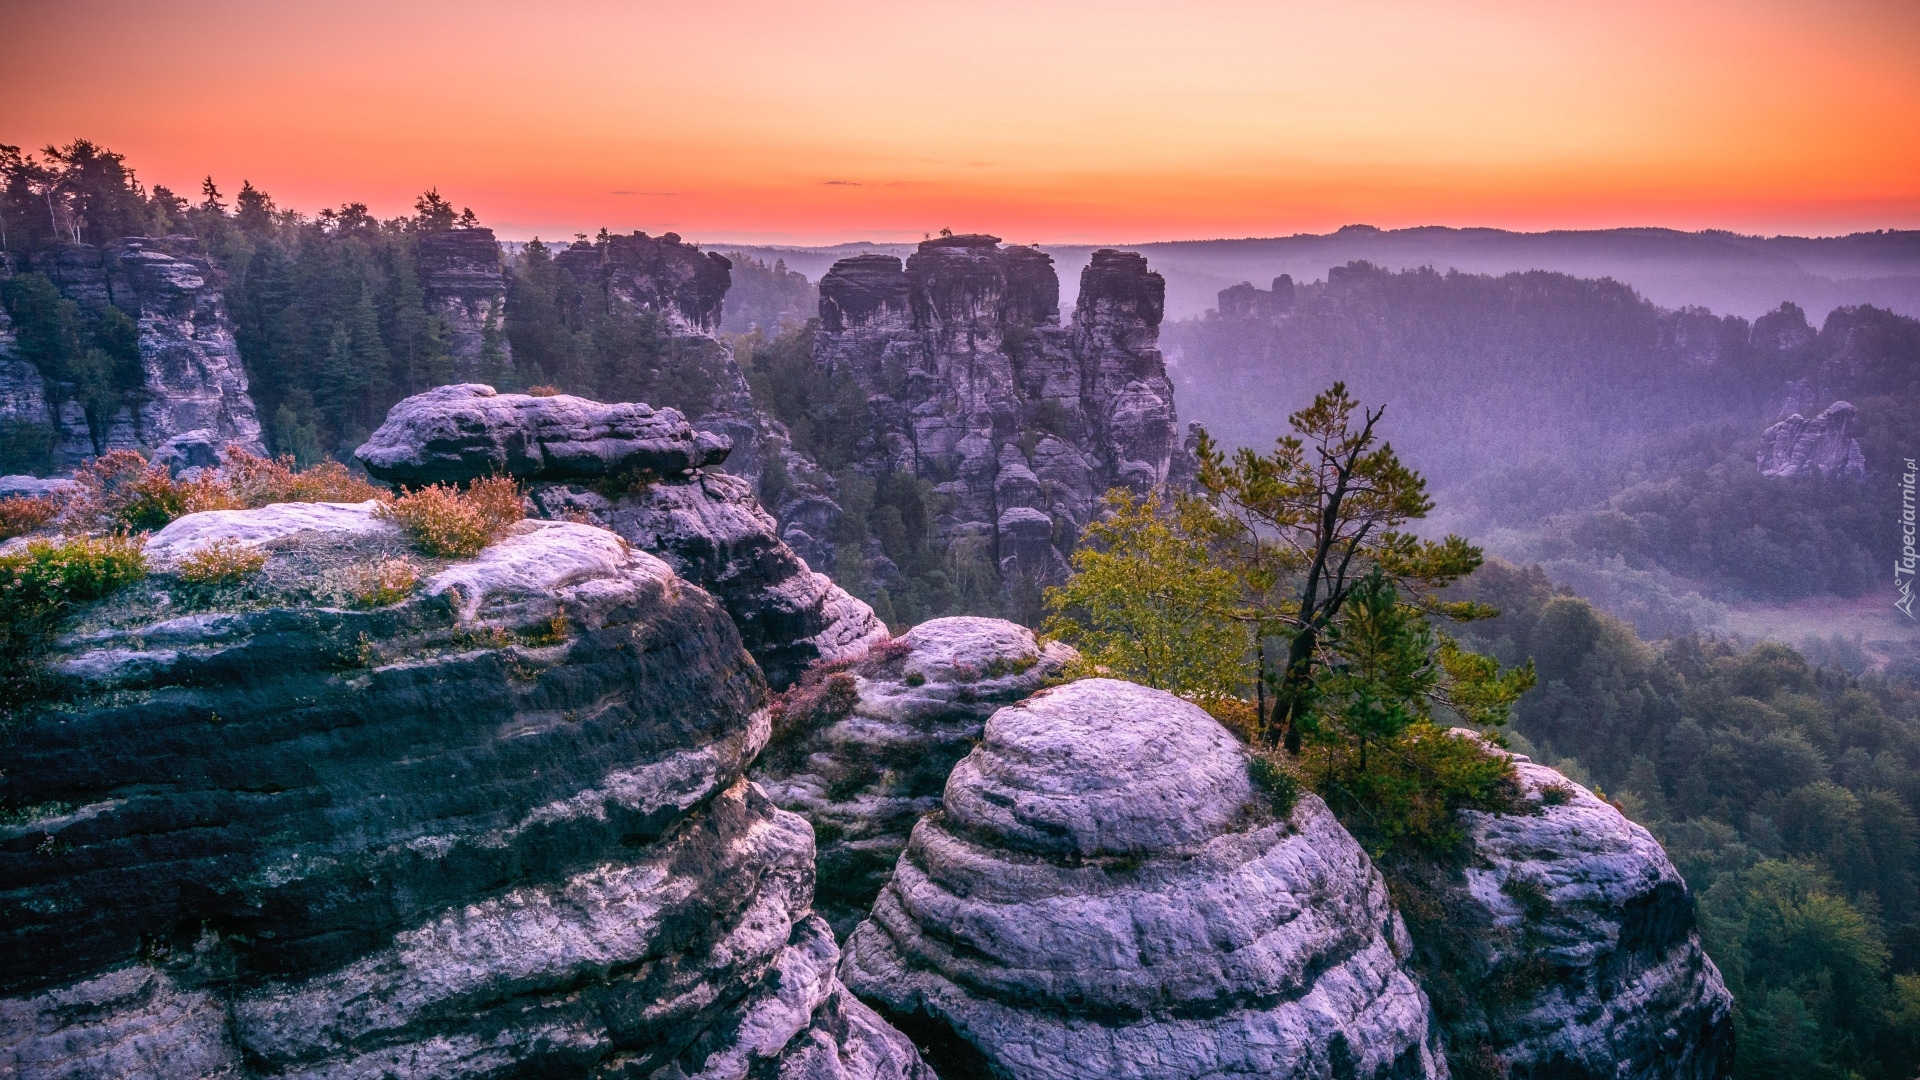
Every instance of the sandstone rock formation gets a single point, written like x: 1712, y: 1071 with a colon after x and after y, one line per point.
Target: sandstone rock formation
x: 464, y: 277
x: 500, y: 828
x: 1105, y: 894
x: 1243, y: 301
x: 457, y: 433
x: 871, y: 759
x: 973, y: 384
x: 685, y: 288
x: 1823, y: 446
x: 1567, y: 948
x: 657, y: 490
x: 194, y: 387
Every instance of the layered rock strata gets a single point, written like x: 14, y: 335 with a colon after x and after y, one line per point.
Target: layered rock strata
x: 1567, y: 948
x: 463, y: 274
x: 653, y: 485
x: 872, y: 756
x: 1104, y: 893
x: 499, y: 828
x: 973, y: 383
x: 193, y: 389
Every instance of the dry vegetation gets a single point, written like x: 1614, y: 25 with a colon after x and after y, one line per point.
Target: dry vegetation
x: 121, y: 490
x: 447, y: 521
x: 386, y: 582
x: 23, y: 514
x: 222, y: 562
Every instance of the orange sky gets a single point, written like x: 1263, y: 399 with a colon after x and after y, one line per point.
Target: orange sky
x: 1077, y: 120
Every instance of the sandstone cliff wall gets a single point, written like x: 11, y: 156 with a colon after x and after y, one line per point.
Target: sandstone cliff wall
x: 194, y: 391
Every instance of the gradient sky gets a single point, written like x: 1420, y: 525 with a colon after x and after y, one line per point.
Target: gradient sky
x: 1077, y: 120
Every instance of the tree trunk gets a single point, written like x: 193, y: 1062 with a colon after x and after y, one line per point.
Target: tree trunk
x: 1260, y: 683
x: 1296, y: 686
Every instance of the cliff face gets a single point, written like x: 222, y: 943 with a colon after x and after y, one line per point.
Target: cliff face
x: 464, y: 276
x: 193, y: 396
x: 1567, y: 948
x: 1020, y: 422
x: 500, y: 828
x: 647, y: 475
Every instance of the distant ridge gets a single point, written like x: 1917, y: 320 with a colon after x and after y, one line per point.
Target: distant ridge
x: 1729, y: 272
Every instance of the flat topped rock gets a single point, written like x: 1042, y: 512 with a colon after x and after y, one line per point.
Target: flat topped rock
x: 462, y: 432
x: 186, y: 535
x: 1101, y: 767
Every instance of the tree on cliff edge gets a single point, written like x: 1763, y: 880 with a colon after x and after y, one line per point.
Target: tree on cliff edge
x: 1303, y: 526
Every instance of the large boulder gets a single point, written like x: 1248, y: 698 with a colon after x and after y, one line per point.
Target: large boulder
x: 457, y: 433
x: 1106, y: 894
x: 500, y: 827
x: 863, y: 760
x: 1566, y: 947
x: 647, y: 475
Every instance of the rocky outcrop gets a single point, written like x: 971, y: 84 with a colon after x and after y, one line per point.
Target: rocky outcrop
x: 457, y: 433
x: 655, y: 488
x: 973, y: 384
x: 1823, y: 446
x: 500, y: 828
x: 1104, y: 893
x: 194, y: 388
x: 1243, y: 301
x: 463, y: 274
x: 684, y: 288
x: 682, y: 284
x: 864, y: 760
x: 1566, y: 947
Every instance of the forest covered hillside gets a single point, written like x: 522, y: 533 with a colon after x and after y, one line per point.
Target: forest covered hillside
x: 1574, y: 423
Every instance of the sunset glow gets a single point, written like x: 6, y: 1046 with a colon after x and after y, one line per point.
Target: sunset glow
x: 1060, y: 121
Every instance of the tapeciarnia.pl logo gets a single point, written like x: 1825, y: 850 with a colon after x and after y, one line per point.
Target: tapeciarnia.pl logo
x: 1903, y: 568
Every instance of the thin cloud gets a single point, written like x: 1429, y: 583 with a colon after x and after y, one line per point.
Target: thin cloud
x: 841, y: 183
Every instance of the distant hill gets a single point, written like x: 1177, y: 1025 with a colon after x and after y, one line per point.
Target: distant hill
x: 1730, y: 273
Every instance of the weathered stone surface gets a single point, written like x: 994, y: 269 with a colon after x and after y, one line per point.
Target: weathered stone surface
x: 193, y: 378
x: 1104, y: 894
x: 464, y: 277
x: 662, y: 274
x: 499, y: 828
x: 457, y: 433
x: 972, y: 382
x: 1823, y: 446
x: 864, y: 777
x: 1570, y: 948
x: 710, y: 529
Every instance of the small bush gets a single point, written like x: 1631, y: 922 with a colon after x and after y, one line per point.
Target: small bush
x: 255, y: 481
x: 22, y: 514
x: 1413, y: 786
x: 826, y: 692
x: 38, y: 585
x: 543, y: 390
x: 120, y: 490
x: 1272, y: 775
x: 447, y: 521
x: 386, y: 582
x: 1556, y: 795
x: 222, y: 562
